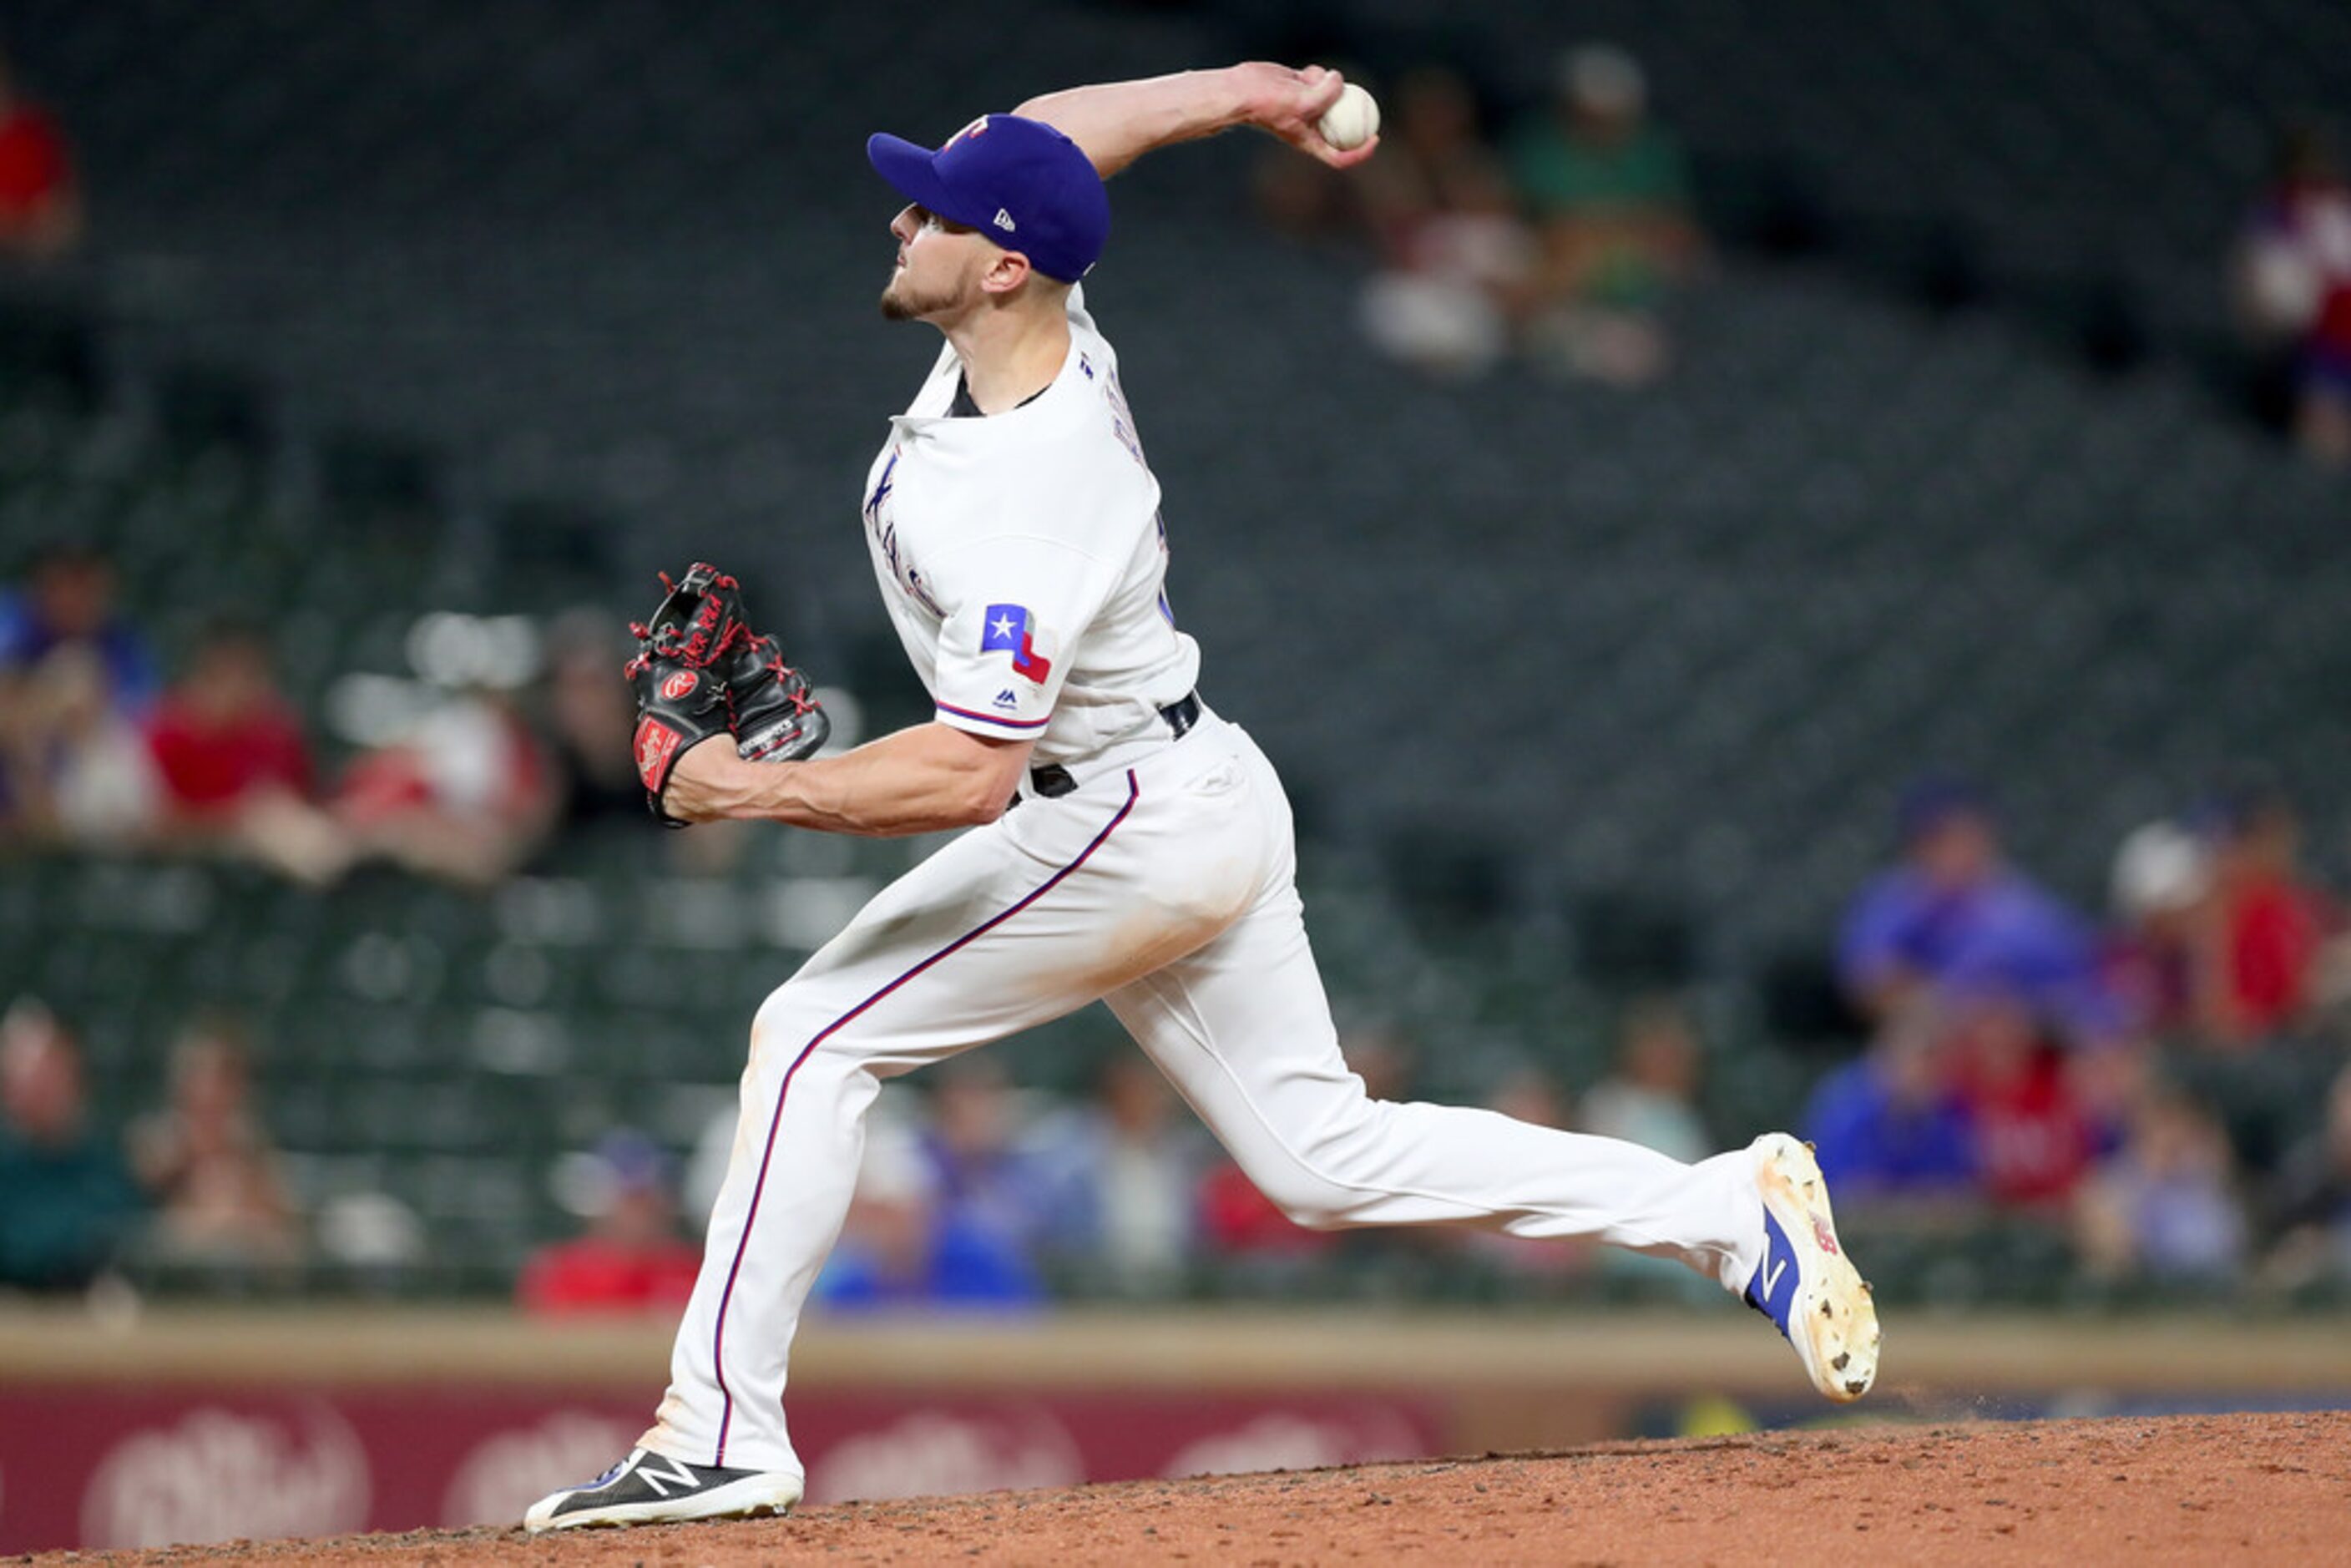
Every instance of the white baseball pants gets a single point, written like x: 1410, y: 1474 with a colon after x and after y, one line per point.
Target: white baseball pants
x: 1167, y: 890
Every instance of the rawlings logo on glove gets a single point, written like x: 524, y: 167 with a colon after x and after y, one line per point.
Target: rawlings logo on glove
x: 702, y: 671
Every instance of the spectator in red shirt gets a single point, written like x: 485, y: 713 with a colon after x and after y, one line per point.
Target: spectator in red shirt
x: 233, y: 764
x: 40, y: 203
x: 2034, y: 1139
x: 631, y: 1260
x: 225, y: 734
x: 2293, y: 286
x: 465, y: 795
x: 2267, y: 924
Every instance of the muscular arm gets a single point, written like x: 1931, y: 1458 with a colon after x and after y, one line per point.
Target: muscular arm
x: 923, y: 779
x: 1117, y: 122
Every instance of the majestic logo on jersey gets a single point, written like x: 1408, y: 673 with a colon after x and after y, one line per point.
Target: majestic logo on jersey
x: 1005, y: 700
x: 1011, y: 628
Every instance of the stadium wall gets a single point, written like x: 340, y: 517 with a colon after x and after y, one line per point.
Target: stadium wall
x: 215, y: 1424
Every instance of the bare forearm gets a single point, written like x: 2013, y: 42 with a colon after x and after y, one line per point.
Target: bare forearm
x: 924, y: 780
x: 1117, y: 122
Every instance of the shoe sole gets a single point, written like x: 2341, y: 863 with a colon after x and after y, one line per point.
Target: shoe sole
x: 754, y: 1497
x: 1833, y: 1322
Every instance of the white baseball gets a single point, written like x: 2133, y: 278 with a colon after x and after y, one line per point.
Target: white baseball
x: 1352, y: 120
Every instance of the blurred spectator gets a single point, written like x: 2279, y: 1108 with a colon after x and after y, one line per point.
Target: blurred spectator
x: 2163, y: 1209
x: 233, y: 763
x: 1652, y: 1097
x: 902, y: 1246
x: 73, y: 769
x: 1455, y: 256
x: 1533, y: 1096
x: 590, y: 716
x: 2268, y: 924
x: 985, y: 1177
x: 1609, y: 197
x: 1241, y: 1224
x: 465, y: 795
x: 1889, y: 1123
x: 1122, y: 1170
x: 70, y: 1202
x: 2033, y: 1138
x: 2293, y: 287
x: 40, y: 201
x: 2162, y: 884
x: 1953, y: 912
x: 2311, y: 1207
x: 69, y: 600
x: 207, y: 1162
x: 632, y: 1259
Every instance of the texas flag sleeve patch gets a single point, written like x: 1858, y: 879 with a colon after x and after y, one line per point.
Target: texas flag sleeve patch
x: 1011, y: 629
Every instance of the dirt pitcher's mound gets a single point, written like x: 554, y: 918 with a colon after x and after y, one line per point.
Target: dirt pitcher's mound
x: 2183, y: 1488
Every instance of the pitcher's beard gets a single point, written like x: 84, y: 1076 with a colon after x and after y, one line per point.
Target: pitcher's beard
x: 899, y: 303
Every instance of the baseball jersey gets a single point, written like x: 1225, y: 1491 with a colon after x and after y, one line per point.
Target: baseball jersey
x: 1022, y: 558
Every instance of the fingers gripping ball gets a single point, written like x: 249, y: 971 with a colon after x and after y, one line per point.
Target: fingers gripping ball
x: 1353, y: 118
x: 701, y: 670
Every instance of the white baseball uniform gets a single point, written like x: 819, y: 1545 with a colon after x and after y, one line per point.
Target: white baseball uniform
x: 1023, y: 561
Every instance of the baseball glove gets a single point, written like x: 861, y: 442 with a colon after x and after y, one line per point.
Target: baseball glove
x: 700, y: 671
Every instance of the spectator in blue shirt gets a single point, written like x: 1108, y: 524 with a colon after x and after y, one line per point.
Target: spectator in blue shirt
x: 1955, y: 913
x: 913, y: 1239
x: 69, y: 600
x: 1887, y: 1124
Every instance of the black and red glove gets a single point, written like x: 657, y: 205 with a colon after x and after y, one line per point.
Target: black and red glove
x: 701, y: 670
x: 775, y: 717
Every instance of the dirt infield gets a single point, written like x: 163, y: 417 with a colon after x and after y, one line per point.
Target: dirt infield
x: 2273, y: 1488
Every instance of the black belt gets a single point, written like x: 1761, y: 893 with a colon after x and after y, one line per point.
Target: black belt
x: 1052, y: 781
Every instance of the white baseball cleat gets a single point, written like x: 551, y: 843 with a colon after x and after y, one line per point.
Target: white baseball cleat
x: 647, y: 1487
x: 1805, y: 1283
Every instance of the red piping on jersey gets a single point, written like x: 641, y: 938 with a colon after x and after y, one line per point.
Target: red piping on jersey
x: 719, y: 1336
x: 991, y: 719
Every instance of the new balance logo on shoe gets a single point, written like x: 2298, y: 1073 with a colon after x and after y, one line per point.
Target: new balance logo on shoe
x: 678, y: 1475
x: 1772, y: 1290
x: 1004, y: 221
x: 1769, y: 1279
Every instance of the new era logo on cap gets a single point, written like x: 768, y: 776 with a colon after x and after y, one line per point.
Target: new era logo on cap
x: 1008, y: 176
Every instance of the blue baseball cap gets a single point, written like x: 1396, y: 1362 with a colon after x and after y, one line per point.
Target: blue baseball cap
x: 1019, y: 182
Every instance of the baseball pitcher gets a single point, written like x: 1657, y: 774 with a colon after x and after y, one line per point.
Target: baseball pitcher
x: 1124, y: 842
